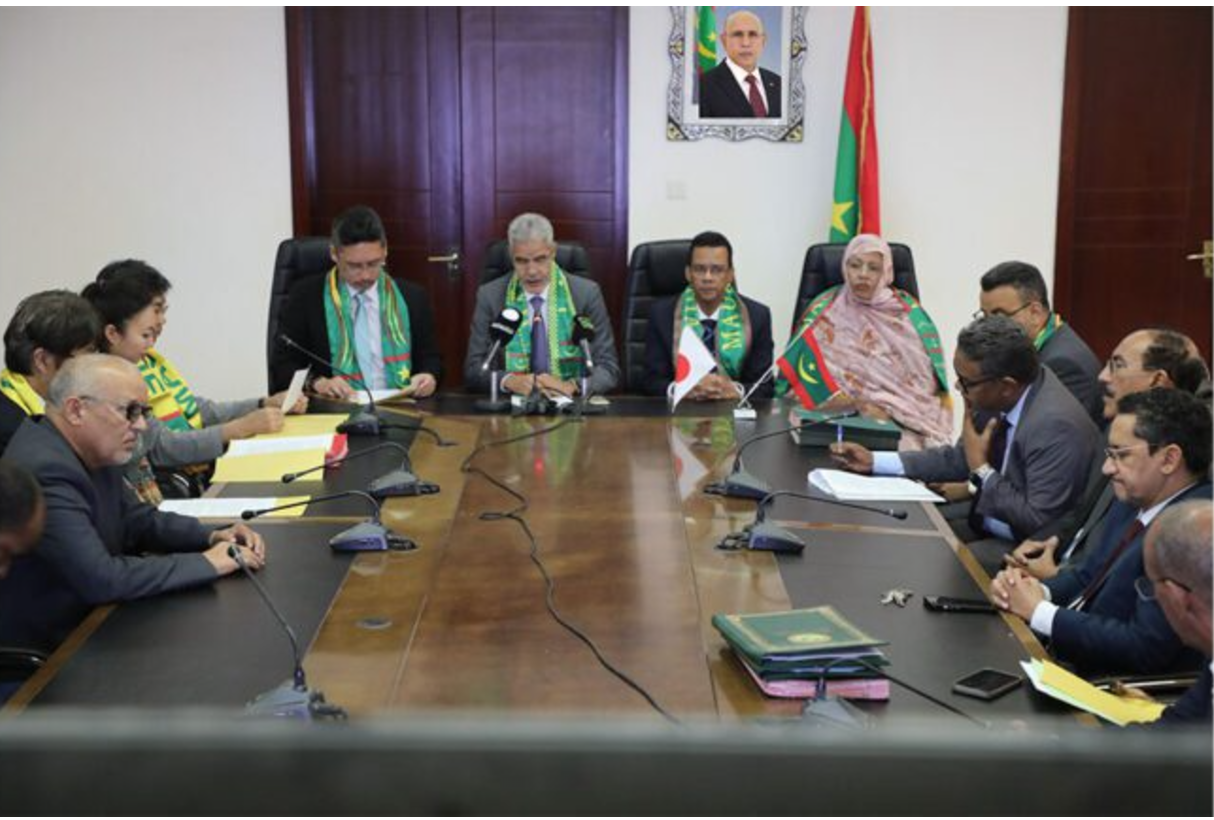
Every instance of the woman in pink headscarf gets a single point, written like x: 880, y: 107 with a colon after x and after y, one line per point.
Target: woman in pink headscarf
x: 881, y: 348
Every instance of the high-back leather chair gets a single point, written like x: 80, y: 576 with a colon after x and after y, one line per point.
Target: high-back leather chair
x: 297, y: 258
x: 571, y: 256
x: 823, y: 269
x: 656, y: 269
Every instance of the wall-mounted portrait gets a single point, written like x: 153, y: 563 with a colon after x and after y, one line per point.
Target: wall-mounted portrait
x: 736, y: 73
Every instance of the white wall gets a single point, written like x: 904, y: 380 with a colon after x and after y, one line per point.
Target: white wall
x: 969, y: 110
x: 158, y: 134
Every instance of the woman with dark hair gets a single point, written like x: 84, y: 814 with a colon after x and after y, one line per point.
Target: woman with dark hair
x: 186, y: 431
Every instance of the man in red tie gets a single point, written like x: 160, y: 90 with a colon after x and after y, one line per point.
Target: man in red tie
x: 738, y: 88
x: 1158, y: 455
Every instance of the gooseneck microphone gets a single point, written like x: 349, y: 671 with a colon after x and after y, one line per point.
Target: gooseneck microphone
x: 292, y: 698
x: 501, y: 331
x: 741, y: 484
x: 368, y: 536
x: 397, y: 483
x: 359, y: 422
x: 583, y: 334
x: 768, y: 537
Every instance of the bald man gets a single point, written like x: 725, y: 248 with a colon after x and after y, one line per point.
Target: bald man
x: 738, y: 88
x: 99, y: 544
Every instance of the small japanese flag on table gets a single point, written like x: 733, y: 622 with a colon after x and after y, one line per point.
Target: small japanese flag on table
x: 694, y: 363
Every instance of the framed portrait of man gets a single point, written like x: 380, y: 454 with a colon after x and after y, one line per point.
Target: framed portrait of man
x: 736, y: 73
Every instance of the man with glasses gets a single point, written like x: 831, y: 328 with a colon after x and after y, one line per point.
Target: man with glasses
x: 542, y: 355
x: 99, y: 544
x: 1025, y: 445
x: 1176, y: 561
x: 378, y: 331
x: 1158, y: 455
x: 1017, y: 290
x: 1153, y: 357
x: 734, y: 328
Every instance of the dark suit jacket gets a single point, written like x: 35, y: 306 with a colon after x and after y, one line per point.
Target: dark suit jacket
x: 11, y: 416
x: 722, y: 97
x: 1194, y: 705
x: 587, y: 299
x: 1076, y: 366
x: 1117, y: 631
x: 1053, y: 448
x: 303, y: 319
x: 91, y: 549
x: 659, y: 348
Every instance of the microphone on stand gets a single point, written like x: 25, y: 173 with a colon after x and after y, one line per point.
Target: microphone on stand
x: 741, y: 484
x: 583, y: 334
x: 292, y: 698
x: 501, y: 331
x: 770, y: 538
x: 397, y: 483
x: 368, y: 536
x: 359, y: 422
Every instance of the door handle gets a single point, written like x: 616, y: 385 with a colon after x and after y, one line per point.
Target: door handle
x: 1206, y: 257
x: 451, y: 260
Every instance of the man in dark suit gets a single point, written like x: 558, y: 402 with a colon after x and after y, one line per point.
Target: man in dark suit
x: 1158, y: 455
x: 1026, y: 443
x: 738, y: 87
x: 46, y: 329
x: 737, y: 330
x: 542, y: 352
x: 100, y: 545
x: 1017, y: 289
x: 365, y: 322
x: 1176, y: 563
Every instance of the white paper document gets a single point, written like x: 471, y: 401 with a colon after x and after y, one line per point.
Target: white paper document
x: 296, y: 389
x: 228, y: 507
x: 852, y: 487
x: 289, y: 444
x: 383, y: 395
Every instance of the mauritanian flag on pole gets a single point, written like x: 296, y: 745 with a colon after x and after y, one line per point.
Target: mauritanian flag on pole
x: 857, y: 205
x: 801, y: 366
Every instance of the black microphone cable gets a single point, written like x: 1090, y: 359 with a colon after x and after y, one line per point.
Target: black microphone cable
x: 516, y: 515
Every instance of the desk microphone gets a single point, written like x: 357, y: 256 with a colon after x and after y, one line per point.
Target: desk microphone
x: 399, y: 482
x: 359, y: 422
x: 741, y: 484
x: 770, y: 538
x: 368, y: 536
x: 292, y: 698
x: 501, y: 331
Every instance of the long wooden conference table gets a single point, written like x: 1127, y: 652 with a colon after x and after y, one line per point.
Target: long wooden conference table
x: 621, y: 522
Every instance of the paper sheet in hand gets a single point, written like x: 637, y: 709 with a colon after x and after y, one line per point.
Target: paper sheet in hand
x: 852, y: 487
x: 232, y: 507
x: 1051, y: 679
x: 296, y: 388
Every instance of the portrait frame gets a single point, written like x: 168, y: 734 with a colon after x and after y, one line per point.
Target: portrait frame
x: 785, y: 49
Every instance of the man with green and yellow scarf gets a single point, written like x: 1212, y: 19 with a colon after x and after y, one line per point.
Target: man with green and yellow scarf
x: 542, y: 353
x: 734, y: 328
x: 47, y: 329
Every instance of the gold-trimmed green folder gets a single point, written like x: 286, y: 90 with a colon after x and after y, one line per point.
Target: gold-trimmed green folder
x: 771, y: 636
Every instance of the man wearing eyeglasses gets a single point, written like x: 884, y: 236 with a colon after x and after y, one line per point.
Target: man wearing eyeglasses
x: 734, y: 328
x: 1026, y: 443
x: 1158, y: 455
x: 99, y: 544
x: 1017, y: 290
x: 375, y: 329
x: 542, y: 355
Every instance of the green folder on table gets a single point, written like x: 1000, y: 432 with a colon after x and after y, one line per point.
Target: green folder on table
x: 820, y: 428
x: 802, y: 633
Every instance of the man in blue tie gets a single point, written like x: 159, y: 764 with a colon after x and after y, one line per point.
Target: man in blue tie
x: 542, y: 354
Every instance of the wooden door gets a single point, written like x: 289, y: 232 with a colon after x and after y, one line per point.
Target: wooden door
x: 1135, y: 187
x: 449, y: 122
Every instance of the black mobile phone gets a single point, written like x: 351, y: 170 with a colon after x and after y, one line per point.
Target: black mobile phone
x: 986, y: 684
x: 942, y: 603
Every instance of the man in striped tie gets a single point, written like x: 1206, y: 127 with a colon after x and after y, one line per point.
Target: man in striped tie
x: 1092, y: 614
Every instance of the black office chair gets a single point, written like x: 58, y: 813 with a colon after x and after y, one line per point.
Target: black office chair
x: 296, y: 259
x: 823, y: 269
x: 656, y: 269
x: 571, y: 256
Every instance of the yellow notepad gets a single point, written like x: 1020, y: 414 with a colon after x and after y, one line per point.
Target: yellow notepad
x: 1053, y: 680
x: 269, y: 466
x: 308, y: 425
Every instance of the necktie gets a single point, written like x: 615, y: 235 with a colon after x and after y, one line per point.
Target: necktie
x: 1131, y: 532
x: 756, y: 99
x: 708, y: 332
x: 539, y: 337
x: 364, y: 345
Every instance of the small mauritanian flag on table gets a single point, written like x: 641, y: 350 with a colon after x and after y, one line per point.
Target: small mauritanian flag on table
x: 801, y: 364
x: 857, y: 202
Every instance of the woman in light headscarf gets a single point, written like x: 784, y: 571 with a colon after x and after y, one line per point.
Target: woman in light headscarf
x: 881, y: 348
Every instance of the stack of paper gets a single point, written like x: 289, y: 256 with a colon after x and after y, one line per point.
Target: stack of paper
x: 1051, y: 679
x: 852, y: 487
x: 233, y: 507
x: 790, y: 653
x: 268, y: 458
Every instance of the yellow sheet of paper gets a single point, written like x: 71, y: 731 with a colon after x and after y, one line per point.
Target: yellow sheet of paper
x: 1113, y: 708
x: 269, y: 467
x: 308, y: 425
